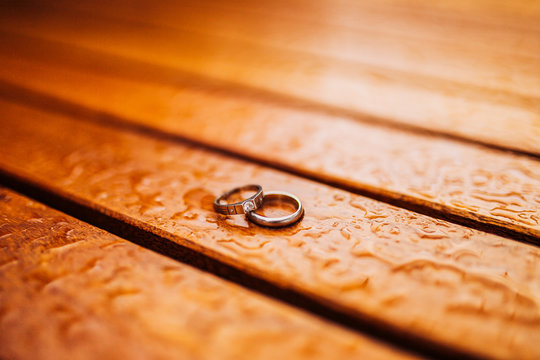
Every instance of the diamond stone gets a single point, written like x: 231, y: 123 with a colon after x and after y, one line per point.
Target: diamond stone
x: 248, y: 206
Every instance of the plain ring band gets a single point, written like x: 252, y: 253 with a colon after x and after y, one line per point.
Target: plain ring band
x: 278, y: 221
x: 245, y: 206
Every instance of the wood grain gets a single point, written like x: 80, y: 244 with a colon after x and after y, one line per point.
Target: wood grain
x: 500, y: 190
x: 72, y: 291
x: 442, y: 22
x: 489, y: 94
x: 445, y: 283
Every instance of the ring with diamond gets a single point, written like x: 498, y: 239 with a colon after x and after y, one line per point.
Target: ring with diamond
x: 243, y: 207
x: 278, y: 221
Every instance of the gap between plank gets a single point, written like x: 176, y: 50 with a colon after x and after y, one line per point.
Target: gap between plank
x: 51, y: 103
x: 349, y: 319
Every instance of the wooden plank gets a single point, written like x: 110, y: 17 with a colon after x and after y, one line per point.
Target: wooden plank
x: 295, y: 24
x: 470, y: 92
x: 517, y: 16
x: 498, y: 190
x: 437, y: 281
x: 69, y: 290
x: 332, y: 19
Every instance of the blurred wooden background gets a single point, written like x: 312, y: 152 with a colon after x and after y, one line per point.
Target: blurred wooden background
x: 409, y: 129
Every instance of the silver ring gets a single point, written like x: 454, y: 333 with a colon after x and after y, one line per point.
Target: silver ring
x: 278, y: 221
x: 245, y: 206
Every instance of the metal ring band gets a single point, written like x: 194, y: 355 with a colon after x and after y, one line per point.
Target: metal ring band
x: 278, y: 221
x: 252, y: 203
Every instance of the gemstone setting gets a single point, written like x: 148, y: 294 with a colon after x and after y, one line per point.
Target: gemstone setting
x: 248, y: 206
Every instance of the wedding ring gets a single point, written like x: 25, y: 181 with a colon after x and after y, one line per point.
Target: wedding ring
x: 243, y: 207
x: 278, y: 221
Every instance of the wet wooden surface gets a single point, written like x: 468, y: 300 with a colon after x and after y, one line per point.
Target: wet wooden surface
x: 438, y: 281
x: 400, y: 62
x: 475, y: 184
x: 70, y: 290
x: 135, y: 115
